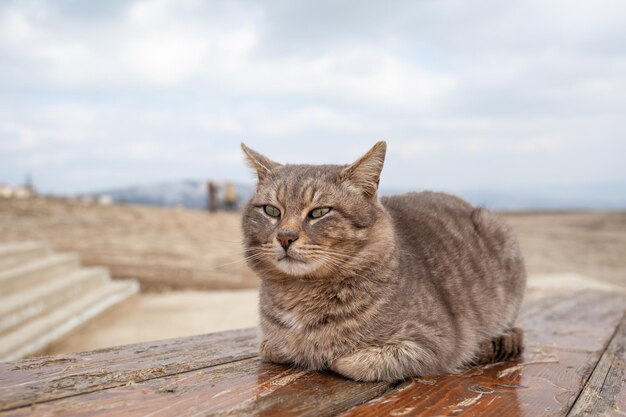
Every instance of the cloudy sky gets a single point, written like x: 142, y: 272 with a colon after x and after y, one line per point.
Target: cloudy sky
x: 489, y: 94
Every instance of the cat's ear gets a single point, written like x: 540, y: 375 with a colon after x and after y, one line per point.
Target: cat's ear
x: 261, y: 164
x: 365, y: 172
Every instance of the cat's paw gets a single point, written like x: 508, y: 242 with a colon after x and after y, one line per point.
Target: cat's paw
x: 352, y: 367
x: 368, y: 365
x: 392, y: 362
x: 267, y: 354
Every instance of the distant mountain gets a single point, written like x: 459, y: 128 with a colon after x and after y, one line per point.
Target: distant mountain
x: 193, y: 194
x: 190, y: 194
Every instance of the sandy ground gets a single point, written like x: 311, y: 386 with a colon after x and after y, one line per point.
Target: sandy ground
x: 163, y: 248
x: 591, y: 243
x: 155, y: 316
x: 191, y: 252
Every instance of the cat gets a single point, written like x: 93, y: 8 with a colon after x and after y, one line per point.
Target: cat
x: 377, y: 289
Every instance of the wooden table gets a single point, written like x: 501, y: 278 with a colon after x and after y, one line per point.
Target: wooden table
x: 573, y: 365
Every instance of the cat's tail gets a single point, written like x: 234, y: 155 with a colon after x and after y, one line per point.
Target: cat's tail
x: 509, y: 345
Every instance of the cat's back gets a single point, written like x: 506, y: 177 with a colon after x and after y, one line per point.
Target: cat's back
x: 447, y: 232
x: 467, y: 252
x: 426, y: 202
x: 418, y: 216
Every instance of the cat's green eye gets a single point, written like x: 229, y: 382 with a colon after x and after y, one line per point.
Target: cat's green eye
x: 272, y: 211
x: 319, y: 212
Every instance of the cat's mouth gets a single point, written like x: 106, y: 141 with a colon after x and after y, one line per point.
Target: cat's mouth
x: 294, y: 265
x: 289, y: 258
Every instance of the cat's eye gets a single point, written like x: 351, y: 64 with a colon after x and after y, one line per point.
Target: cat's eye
x: 319, y: 212
x: 271, y: 210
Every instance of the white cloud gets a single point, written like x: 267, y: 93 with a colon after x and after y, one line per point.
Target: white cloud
x: 15, y: 28
x: 183, y: 82
x: 165, y: 59
x: 536, y: 144
x: 219, y: 122
x: 159, y: 46
x: 365, y: 74
x: 315, y: 119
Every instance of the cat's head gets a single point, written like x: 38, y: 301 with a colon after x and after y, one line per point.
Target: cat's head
x: 315, y: 221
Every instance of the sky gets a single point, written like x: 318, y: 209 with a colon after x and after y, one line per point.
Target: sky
x: 480, y: 94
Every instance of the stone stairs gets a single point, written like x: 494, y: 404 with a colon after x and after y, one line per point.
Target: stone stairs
x: 43, y: 295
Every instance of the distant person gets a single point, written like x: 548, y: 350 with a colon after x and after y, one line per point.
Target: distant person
x: 230, y: 197
x: 212, y: 196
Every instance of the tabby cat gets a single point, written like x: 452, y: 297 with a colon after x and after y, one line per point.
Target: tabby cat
x: 378, y: 289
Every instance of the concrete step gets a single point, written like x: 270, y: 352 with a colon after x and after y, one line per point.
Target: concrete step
x: 19, y: 307
x: 12, y: 254
x: 23, y: 276
x: 37, y: 333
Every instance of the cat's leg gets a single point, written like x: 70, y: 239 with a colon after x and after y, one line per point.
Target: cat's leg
x: 390, y: 362
x: 507, y: 346
x: 269, y: 354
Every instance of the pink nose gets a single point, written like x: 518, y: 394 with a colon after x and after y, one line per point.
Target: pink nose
x: 287, y: 238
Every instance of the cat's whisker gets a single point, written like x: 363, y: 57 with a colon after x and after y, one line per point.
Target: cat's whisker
x: 338, y: 256
x: 334, y: 263
x: 317, y: 249
x: 246, y: 259
x: 231, y: 241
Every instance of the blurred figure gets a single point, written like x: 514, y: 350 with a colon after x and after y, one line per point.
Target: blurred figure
x: 212, y: 189
x: 230, y: 197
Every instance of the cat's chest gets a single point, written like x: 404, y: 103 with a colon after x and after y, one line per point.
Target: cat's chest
x: 291, y: 321
x: 310, y: 341
x: 313, y: 347
x: 313, y: 327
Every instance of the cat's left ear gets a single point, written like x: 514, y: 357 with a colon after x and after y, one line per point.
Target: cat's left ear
x: 261, y: 164
x: 365, y: 172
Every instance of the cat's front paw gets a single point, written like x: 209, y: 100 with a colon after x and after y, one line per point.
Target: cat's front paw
x: 392, y: 362
x: 268, y: 354
x: 352, y: 367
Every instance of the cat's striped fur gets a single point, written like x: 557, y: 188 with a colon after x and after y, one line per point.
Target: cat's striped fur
x: 379, y: 289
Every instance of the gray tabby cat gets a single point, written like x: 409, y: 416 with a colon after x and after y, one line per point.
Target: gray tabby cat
x: 378, y: 289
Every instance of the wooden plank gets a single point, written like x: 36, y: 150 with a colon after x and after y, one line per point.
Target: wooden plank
x: 605, y: 392
x: 51, y: 377
x: 246, y: 387
x: 566, y: 333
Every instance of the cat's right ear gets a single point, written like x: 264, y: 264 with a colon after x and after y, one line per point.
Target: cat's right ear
x: 261, y: 164
x: 365, y: 173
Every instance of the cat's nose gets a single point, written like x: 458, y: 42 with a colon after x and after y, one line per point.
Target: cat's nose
x: 286, y: 238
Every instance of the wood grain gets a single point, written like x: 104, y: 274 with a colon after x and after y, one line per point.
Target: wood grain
x: 51, y: 377
x: 605, y: 392
x: 247, y: 387
x: 566, y: 333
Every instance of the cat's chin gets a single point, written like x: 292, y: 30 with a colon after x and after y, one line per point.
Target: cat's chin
x: 296, y: 268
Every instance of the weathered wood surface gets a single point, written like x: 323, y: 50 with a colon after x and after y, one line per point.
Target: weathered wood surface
x: 605, y: 392
x: 567, y: 334
x: 242, y: 388
x: 51, y: 377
